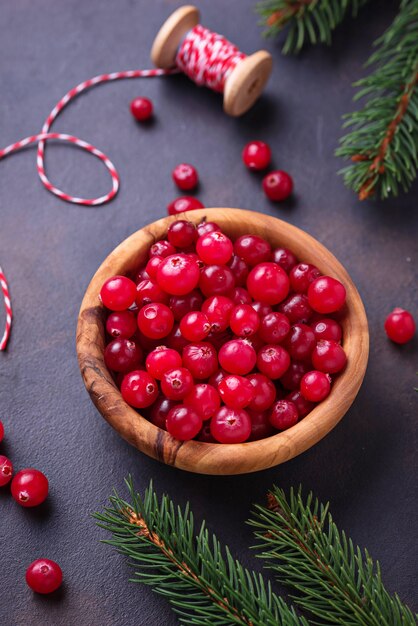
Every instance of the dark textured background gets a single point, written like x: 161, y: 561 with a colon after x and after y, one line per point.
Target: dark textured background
x: 366, y: 466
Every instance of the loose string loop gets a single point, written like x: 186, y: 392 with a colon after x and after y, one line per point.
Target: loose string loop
x: 9, y: 313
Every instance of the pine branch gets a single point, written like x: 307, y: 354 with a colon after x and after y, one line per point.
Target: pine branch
x: 306, y: 20
x: 383, y: 141
x: 202, y: 581
x: 334, y: 580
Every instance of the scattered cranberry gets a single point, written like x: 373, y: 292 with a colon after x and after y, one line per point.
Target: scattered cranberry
x: 1, y: 432
x: 214, y: 248
x: 302, y: 275
x: 200, y: 359
x: 285, y: 258
x: 277, y: 185
x: 204, y: 399
x: 327, y: 328
x: 43, y: 575
x: 283, y: 414
x: 178, y: 274
x: 230, y: 425
x: 326, y: 294
x: 274, y: 328
x: 244, y: 321
x: 400, y: 326
x: 122, y: 355
x: 183, y: 422
x: 118, y: 293
x: 141, y: 109
x: 329, y: 357
x: 315, y: 386
x: 236, y: 391
x: 6, y: 470
x: 184, y: 203
x: 268, y: 282
x: 121, y: 324
x: 161, y: 360
x: 29, y: 487
x: 195, y: 326
x: 237, y: 357
x: 182, y: 234
x: 139, y: 389
x: 256, y: 155
x: 216, y: 280
x: 264, y: 392
x: 185, y: 176
x: 273, y: 361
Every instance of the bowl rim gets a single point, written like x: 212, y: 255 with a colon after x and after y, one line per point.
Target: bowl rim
x: 200, y: 457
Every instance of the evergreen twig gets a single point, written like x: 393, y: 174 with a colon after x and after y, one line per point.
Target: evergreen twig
x: 305, y: 20
x: 334, y: 580
x: 382, y: 143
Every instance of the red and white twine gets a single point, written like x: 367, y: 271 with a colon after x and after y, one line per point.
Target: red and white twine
x: 9, y: 313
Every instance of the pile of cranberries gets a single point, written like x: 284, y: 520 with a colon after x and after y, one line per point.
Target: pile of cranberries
x: 223, y: 341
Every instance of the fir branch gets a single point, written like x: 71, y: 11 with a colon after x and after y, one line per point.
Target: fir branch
x: 202, y: 581
x: 305, y: 20
x: 383, y: 141
x: 334, y: 580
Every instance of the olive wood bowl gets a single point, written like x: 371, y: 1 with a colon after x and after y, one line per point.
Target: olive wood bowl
x: 207, y: 458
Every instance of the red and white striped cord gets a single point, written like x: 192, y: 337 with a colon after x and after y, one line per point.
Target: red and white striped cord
x: 9, y: 313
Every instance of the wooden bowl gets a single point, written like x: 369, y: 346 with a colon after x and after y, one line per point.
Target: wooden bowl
x: 195, y: 456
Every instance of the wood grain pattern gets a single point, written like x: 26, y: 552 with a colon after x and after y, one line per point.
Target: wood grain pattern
x: 200, y: 457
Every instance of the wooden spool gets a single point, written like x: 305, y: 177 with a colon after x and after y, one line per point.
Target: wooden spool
x: 205, y: 458
x: 242, y: 87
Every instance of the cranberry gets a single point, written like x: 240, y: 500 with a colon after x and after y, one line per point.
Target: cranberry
x: 302, y: 405
x: 260, y: 425
x: 139, y: 389
x: 162, y: 248
x: 268, y: 282
x: 148, y: 291
x: 326, y: 294
x: 200, y: 359
x: 161, y: 360
x: 327, y: 328
x: 329, y: 357
x: 252, y: 249
x: 296, y: 308
x: 177, y: 383
x: 239, y: 295
x: 43, y: 575
x: 118, y: 293
x: 236, y: 391
x: 218, y: 310
x: 183, y: 422
x: 254, y: 341
x: 205, y: 435
x: 239, y: 269
x: 122, y: 355
x: 185, y: 176
x: 214, y: 248
x: 300, y: 342
x: 195, y: 326
x: 277, y: 185
x: 315, y: 386
x: 184, y: 203
x: 283, y: 414
x: 292, y: 377
x: 216, y: 280
x: 6, y: 470
x: 178, y: 274
x: 264, y: 392
x: 262, y: 309
x: 155, y: 320
x: 142, y: 274
x: 285, y: 258
x: 159, y: 411
x: 204, y: 399
x: 216, y: 378
x: 182, y: 234
x: 218, y: 338
x: 121, y: 324
x: 181, y: 305
x: 1, y: 432
x: 152, y: 266
x: 237, y: 357
x: 400, y: 326
x: 206, y: 227
x: 175, y: 339
x: 256, y: 155
x: 274, y: 328
x: 29, y: 487
x: 230, y: 425
x: 244, y: 321
x: 302, y: 275
x: 273, y: 361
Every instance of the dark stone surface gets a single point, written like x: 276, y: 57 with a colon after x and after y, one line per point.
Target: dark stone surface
x: 366, y: 466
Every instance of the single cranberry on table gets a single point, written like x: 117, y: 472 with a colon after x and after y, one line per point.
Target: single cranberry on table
x: 118, y: 293
x: 315, y: 386
x: 326, y: 295
x: 327, y: 328
x: 237, y: 357
x: 121, y: 324
x: 400, y: 326
x: 252, y: 249
x: 162, y: 359
x: 178, y: 274
x: 185, y: 176
x: 264, y: 392
x: 139, y: 389
x: 261, y: 426
x: 162, y: 248
x: 296, y: 308
x: 329, y: 357
x: 277, y: 185
x: 256, y: 155
x: 29, y: 487
x: 200, y: 359
x: 184, y: 203
x: 285, y: 258
x: 302, y: 275
x: 6, y: 470
x: 244, y: 321
x: 141, y: 109
x: 177, y: 383
x: 218, y: 310
x: 122, y: 355
x: 148, y: 291
x: 273, y: 361
x: 195, y: 326
x: 159, y: 410
x: 214, y: 248
x: 236, y: 391
x: 274, y: 328
x: 181, y: 305
x: 204, y: 399
x: 230, y: 425
x: 283, y: 414
x: 268, y: 282
x: 183, y: 422
x: 216, y: 280
x: 44, y: 576
x: 182, y: 234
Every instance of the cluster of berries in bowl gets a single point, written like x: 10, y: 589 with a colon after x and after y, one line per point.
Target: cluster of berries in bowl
x: 223, y: 341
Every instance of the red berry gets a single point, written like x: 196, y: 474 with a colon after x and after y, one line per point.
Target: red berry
x: 268, y: 282
x: 1, y: 432
x: 139, y: 389
x: 122, y: 355
x: 273, y: 361
x: 236, y: 391
x: 327, y: 328
x: 218, y: 310
x: 285, y: 258
x: 302, y: 275
x: 142, y: 274
x: 44, y: 576
x: 182, y: 234
x: 239, y: 269
x: 176, y: 384
x: 216, y: 378
x: 6, y: 470
x: 283, y: 414
x: 183, y: 422
x: 206, y: 227
x: 118, y: 293
x: 121, y: 324
x: 29, y: 487
x: 256, y: 155
x: 326, y: 294
x: 195, y: 326
x: 300, y: 342
x: 152, y: 266
x: 400, y: 326
x: 175, y: 339
x: 274, y: 328
x: 302, y: 405
x: 204, y: 399
x: 260, y: 425
x: 230, y: 425
x: 214, y: 248
x: 244, y: 321
x: 184, y: 203
x: 185, y: 176
x: 262, y: 309
x: 161, y: 360
x: 252, y: 249
x: 329, y: 357
x: 181, y: 305
x: 296, y: 308
x: 237, y: 357
x: 216, y: 280
x: 239, y: 295
x: 200, y: 359
x: 148, y: 291
x: 159, y: 411
x: 315, y: 386
x: 162, y: 248
x: 155, y: 320
x: 264, y: 392
x: 292, y: 377
x: 178, y: 274
x: 205, y: 435
x: 277, y: 185
x: 141, y: 109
